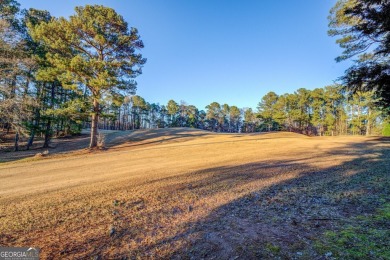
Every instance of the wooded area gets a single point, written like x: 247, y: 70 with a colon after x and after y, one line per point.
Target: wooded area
x: 58, y: 76
x: 322, y: 111
x: 164, y: 189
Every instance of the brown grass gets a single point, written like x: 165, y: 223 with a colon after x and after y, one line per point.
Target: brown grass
x: 182, y: 193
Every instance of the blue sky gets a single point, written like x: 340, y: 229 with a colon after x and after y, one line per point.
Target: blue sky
x: 227, y: 51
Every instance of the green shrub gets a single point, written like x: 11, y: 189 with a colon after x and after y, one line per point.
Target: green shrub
x: 386, y: 130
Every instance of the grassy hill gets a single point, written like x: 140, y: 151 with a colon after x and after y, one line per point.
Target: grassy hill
x: 184, y: 193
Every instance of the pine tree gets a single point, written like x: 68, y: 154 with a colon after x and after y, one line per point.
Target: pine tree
x: 364, y: 30
x: 94, y: 48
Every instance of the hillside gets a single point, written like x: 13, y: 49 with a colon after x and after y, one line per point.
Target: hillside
x: 189, y: 193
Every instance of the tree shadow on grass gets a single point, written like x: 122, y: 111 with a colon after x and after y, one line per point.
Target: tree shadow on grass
x: 286, y: 219
x: 117, y: 140
x: 113, y: 140
x: 274, y: 209
x: 154, y: 136
x: 277, y: 208
x: 178, y: 137
x: 57, y: 145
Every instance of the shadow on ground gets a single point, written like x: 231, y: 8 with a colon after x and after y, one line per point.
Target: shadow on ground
x: 287, y: 219
x: 116, y: 140
x: 283, y: 208
x: 266, y: 210
x: 113, y: 140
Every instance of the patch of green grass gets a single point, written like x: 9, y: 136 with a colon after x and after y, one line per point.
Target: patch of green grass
x: 367, y: 238
x: 272, y: 248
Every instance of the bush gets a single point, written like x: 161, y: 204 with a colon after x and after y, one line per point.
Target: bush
x: 386, y: 129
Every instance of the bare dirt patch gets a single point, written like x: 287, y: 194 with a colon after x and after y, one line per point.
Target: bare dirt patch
x: 179, y: 193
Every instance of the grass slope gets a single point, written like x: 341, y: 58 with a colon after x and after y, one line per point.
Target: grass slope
x: 181, y: 193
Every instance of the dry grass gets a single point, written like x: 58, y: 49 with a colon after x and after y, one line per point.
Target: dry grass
x: 183, y: 193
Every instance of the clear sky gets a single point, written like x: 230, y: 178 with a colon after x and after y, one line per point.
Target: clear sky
x: 227, y: 51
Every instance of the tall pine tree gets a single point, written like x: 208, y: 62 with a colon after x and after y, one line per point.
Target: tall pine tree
x: 94, y: 48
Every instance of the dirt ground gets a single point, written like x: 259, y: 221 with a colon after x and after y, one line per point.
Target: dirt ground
x: 189, y: 194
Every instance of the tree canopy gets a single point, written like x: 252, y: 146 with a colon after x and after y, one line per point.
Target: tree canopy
x: 60, y: 75
x: 94, y: 48
x: 363, y: 28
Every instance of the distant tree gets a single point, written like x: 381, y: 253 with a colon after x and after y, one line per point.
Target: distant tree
x: 173, y: 109
x: 234, y: 119
x: 249, y: 124
x: 266, y: 109
x: 138, y: 106
x: 334, y: 117
x: 154, y: 110
x: 15, y: 64
x: 202, y: 119
x: 192, y: 115
x: 214, y: 115
x: 371, y: 113
x: 293, y: 112
x: 364, y: 30
x: 363, y: 113
x: 304, y: 111
x: 281, y: 112
x: 94, y: 48
x: 182, y: 119
x: 224, y: 121
x: 163, y: 114
x: 318, y: 110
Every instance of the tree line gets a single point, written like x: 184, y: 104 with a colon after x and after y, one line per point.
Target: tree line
x: 322, y: 111
x: 58, y: 76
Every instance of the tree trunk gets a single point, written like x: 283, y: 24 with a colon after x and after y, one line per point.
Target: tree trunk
x: 16, y: 146
x: 34, y: 128
x: 94, y: 124
x: 47, y: 134
x: 119, y: 119
x: 368, y: 126
x: 8, y: 127
x: 32, y: 135
x: 37, y: 118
